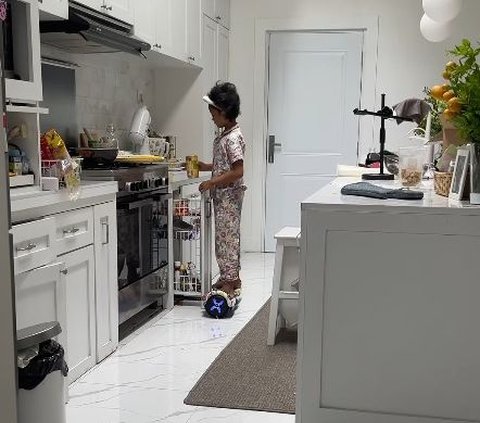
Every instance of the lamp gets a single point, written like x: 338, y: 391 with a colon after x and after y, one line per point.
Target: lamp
x: 442, y: 11
x: 435, y: 31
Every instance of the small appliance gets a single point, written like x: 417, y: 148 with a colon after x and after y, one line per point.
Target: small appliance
x: 138, y: 134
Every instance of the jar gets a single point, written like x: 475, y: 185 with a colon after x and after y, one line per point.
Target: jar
x: 110, y: 140
x: 410, y: 165
x: 192, y: 166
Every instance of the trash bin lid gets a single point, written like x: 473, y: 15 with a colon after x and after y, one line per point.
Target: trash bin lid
x: 34, y: 335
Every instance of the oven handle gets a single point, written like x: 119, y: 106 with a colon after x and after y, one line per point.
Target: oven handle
x: 140, y: 204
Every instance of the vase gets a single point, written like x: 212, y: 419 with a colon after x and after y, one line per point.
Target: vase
x: 475, y: 173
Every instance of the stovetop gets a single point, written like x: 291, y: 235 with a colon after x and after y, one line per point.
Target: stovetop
x: 130, y: 178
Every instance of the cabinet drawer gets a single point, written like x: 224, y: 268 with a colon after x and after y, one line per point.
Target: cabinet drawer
x: 74, y: 230
x: 33, y: 244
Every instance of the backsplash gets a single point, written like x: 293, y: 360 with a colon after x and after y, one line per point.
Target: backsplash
x: 107, y: 90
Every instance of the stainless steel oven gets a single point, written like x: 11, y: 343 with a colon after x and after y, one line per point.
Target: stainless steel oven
x: 143, y: 247
x: 142, y: 251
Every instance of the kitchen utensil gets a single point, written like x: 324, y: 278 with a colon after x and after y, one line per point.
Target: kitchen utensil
x: 139, y: 129
x: 98, y: 156
x: 139, y: 158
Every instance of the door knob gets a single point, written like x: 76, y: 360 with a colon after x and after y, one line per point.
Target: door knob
x: 271, y: 148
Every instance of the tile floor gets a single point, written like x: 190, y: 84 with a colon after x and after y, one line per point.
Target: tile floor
x: 151, y: 373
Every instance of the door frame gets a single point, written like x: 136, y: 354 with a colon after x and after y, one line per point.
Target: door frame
x: 369, y: 97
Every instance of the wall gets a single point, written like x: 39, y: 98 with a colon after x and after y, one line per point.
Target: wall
x: 406, y: 64
x: 108, y: 87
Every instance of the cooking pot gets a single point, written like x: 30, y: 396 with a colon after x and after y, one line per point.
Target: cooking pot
x: 98, y: 156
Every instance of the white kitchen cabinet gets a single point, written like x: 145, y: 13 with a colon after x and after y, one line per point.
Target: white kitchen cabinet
x: 215, y: 50
x: 106, y: 288
x: 40, y: 297
x: 53, y: 9
x: 23, y: 82
x: 119, y: 9
x: 80, y: 304
x: 146, y: 20
x: 179, y: 29
x: 194, y: 32
x: 218, y: 10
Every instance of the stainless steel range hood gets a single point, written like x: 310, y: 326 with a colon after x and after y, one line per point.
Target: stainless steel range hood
x: 87, y: 31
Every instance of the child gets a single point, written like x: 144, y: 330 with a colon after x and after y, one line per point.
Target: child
x: 226, y: 184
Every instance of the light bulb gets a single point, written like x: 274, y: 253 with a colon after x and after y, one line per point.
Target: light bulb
x: 442, y: 10
x: 435, y: 31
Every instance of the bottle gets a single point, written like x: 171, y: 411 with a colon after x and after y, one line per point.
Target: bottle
x: 110, y: 140
x: 177, y: 272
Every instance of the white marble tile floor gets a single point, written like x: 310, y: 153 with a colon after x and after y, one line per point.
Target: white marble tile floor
x: 148, y: 377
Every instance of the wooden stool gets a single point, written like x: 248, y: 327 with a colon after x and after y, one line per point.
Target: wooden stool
x: 285, y: 273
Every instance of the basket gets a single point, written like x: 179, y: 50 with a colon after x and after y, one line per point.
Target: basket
x: 442, y: 182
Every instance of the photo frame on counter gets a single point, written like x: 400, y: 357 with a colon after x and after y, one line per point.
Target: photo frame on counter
x: 460, y: 172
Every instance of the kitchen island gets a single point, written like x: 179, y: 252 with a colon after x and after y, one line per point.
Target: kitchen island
x: 389, y: 315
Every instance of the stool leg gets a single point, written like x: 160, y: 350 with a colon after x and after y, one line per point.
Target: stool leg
x: 277, y: 275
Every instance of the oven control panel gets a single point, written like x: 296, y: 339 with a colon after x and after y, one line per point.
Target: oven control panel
x: 146, y: 184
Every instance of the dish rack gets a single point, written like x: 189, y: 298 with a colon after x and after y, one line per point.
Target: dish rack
x: 189, y: 250
x: 53, y: 169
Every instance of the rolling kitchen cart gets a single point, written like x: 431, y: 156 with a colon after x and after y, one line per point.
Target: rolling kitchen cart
x: 192, y: 242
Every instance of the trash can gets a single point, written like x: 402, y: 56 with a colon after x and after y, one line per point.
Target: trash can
x: 41, y: 374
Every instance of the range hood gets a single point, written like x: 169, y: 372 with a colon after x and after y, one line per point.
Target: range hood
x: 87, y: 31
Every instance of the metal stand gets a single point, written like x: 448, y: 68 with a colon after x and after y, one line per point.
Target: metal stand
x: 384, y: 113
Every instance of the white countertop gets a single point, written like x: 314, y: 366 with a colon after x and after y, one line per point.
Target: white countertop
x: 27, y: 205
x: 180, y: 178
x: 330, y: 196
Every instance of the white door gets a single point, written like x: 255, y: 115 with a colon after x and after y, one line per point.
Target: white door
x: 223, y: 42
x: 179, y: 29
x: 162, y: 12
x: 80, y: 295
x: 314, y: 85
x: 145, y: 20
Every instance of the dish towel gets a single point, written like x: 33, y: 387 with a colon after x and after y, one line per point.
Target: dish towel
x: 413, y: 108
x: 366, y: 189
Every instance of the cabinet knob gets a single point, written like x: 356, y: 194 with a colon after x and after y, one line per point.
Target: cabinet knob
x: 219, y: 18
x: 104, y: 6
x: 64, y: 271
x: 157, y: 45
x: 191, y: 58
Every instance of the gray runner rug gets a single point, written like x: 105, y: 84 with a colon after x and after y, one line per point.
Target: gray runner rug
x: 250, y: 375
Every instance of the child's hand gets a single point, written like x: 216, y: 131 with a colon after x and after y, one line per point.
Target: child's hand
x: 206, y: 185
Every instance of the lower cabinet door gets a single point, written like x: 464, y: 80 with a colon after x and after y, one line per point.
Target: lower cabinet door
x: 106, y: 289
x: 80, y: 300
x: 40, y: 298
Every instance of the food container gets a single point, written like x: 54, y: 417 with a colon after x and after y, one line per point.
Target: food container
x: 192, y: 166
x: 410, y: 165
x: 442, y: 182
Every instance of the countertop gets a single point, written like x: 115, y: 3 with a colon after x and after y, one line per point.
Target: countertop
x: 180, y: 178
x: 26, y: 205
x: 331, y: 197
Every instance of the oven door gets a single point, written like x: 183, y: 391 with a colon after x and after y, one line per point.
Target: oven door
x: 142, y: 221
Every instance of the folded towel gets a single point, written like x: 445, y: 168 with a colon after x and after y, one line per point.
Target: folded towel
x: 366, y: 189
x: 413, y: 108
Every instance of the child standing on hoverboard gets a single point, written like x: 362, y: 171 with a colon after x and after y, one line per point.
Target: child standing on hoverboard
x: 226, y: 185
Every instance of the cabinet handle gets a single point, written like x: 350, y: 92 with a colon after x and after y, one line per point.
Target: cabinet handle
x: 157, y: 46
x: 219, y: 18
x: 64, y: 271
x: 106, y: 233
x: 191, y: 58
x: 29, y: 247
x: 71, y: 231
x: 104, y: 6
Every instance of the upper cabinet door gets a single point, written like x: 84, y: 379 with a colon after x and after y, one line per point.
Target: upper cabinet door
x: 223, y: 41
x: 222, y: 12
x: 194, y: 31
x: 23, y: 73
x: 51, y: 10
x: 94, y: 4
x: 145, y: 20
x: 179, y: 29
x: 120, y: 9
x: 162, y: 14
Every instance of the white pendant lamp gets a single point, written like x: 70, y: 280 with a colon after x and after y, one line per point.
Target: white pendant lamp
x: 434, y: 31
x: 442, y: 10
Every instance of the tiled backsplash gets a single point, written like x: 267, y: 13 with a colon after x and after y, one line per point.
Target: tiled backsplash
x: 108, y: 88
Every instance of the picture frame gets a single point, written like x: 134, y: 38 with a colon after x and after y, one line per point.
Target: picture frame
x: 462, y: 163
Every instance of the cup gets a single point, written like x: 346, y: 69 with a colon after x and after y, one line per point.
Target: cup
x: 410, y: 165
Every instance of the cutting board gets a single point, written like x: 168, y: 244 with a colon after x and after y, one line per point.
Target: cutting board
x: 139, y: 158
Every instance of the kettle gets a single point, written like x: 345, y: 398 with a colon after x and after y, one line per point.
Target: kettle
x: 139, y: 129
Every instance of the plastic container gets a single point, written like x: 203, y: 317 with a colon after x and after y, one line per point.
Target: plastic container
x: 410, y: 165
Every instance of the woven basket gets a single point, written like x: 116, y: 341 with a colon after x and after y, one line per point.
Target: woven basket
x: 442, y: 182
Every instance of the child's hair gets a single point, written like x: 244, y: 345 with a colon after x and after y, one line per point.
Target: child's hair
x: 225, y: 96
